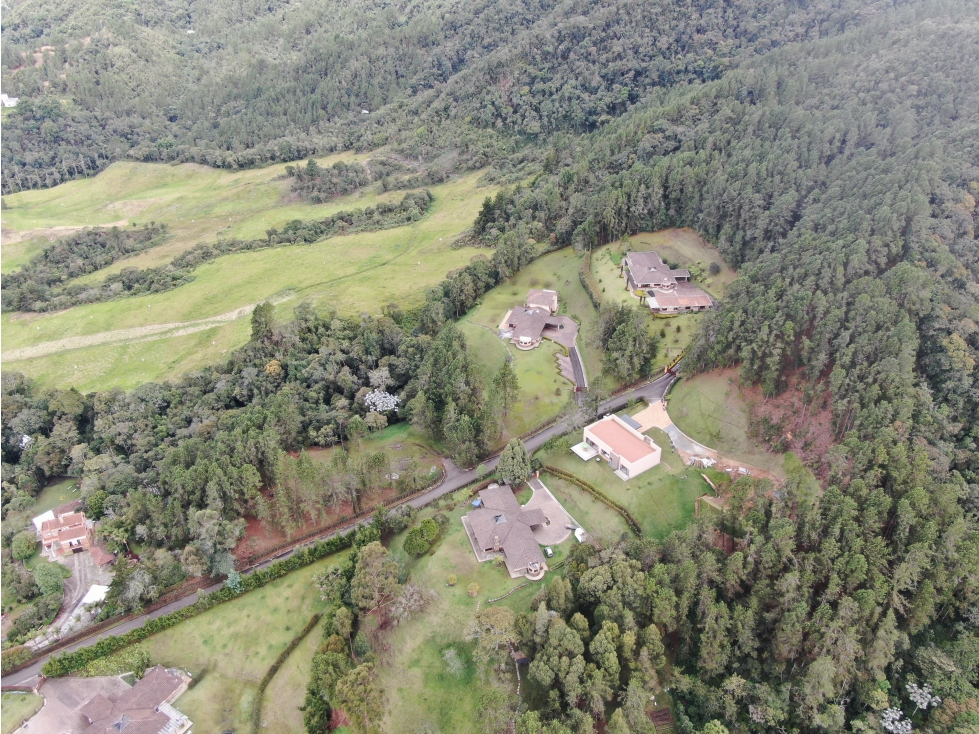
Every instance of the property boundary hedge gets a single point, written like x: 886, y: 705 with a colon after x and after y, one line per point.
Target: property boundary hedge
x: 274, y: 668
x: 588, y: 282
x: 598, y: 494
x: 62, y: 665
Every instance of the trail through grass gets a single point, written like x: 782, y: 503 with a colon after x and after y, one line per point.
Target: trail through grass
x: 356, y: 273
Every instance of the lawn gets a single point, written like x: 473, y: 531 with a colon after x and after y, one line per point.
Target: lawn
x: 17, y: 707
x: 601, y: 522
x: 420, y: 690
x: 56, y: 493
x: 544, y: 391
x: 152, y: 337
x: 710, y: 409
x: 661, y: 499
x: 235, y: 643
x: 400, y: 442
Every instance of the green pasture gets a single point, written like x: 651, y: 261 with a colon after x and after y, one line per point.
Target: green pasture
x: 544, y: 391
x: 16, y: 708
x: 710, y: 409
x: 661, y: 499
x: 18, y: 252
x: 356, y: 273
x: 234, y: 644
x: 557, y: 271
x: 420, y: 690
x: 198, y: 203
x: 601, y: 522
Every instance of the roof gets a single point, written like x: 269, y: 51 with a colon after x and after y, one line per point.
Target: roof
x: 134, y: 712
x: 42, y: 518
x: 528, y: 323
x: 544, y: 298
x: 68, y: 520
x: 73, y: 533
x: 684, y: 295
x: 620, y: 439
x: 502, y: 521
x: 67, y: 508
x: 648, y: 267
x: 631, y: 422
x: 101, y: 555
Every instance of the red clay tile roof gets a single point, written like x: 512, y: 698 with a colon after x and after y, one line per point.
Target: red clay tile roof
x: 101, y: 555
x: 65, y: 521
x: 621, y: 440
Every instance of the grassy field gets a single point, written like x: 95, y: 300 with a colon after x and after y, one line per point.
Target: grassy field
x: 558, y: 271
x: 126, y: 342
x: 661, y: 499
x: 420, y: 690
x: 235, y: 643
x: 603, y: 524
x: 709, y: 408
x: 544, y: 392
x: 16, y: 707
x: 56, y: 493
x: 400, y: 442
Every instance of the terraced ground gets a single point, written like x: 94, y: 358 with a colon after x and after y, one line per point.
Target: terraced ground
x: 130, y: 341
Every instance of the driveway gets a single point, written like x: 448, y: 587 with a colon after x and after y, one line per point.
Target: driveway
x: 543, y: 500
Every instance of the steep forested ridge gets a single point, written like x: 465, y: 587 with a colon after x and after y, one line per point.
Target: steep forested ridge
x: 244, y: 83
x: 839, y: 173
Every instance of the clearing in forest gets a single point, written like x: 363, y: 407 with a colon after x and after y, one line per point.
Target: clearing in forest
x: 354, y: 273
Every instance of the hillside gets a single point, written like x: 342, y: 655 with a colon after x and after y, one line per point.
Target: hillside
x: 826, y: 151
x: 461, y: 84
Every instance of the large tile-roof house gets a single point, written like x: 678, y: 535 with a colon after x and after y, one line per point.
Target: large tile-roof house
x: 526, y: 325
x: 617, y: 440
x: 667, y: 291
x: 66, y: 533
x: 143, y: 709
x: 499, y: 526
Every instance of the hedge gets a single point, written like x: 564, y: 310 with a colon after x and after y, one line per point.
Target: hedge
x: 588, y: 282
x: 598, y: 494
x: 15, y: 657
x: 62, y: 665
x: 274, y: 668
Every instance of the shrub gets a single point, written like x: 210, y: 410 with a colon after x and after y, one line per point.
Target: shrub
x: 473, y: 589
x: 14, y: 657
x: 452, y: 579
x: 714, y: 269
x: 415, y: 543
x: 429, y: 529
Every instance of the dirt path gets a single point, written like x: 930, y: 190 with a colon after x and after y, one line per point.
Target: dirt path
x: 136, y: 334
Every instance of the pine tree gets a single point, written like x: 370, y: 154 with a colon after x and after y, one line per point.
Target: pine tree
x: 514, y: 466
x: 507, y: 386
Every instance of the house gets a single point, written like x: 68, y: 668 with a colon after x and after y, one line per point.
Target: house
x: 667, y: 291
x: 55, y: 512
x: 143, y: 709
x: 500, y: 527
x: 618, y: 440
x: 6, y: 101
x: 66, y: 533
x: 526, y: 325
x: 542, y: 299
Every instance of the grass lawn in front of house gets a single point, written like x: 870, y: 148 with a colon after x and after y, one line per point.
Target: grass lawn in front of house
x: 543, y: 390
x: 17, y: 708
x: 557, y: 271
x: 599, y: 520
x: 661, y: 499
x: 235, y: 643
x: 58, y: 492
x: 419, y: 688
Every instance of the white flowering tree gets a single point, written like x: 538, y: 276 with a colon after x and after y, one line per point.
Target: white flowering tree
x: 923, y: 697
x: 380, y: 401
x: 893, y: 721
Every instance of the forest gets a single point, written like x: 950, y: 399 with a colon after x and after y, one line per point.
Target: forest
x: 831, y: 153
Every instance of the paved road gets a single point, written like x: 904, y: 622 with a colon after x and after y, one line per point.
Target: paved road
x: 455, y: 478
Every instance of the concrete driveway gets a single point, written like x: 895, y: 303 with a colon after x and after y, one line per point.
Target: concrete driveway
x: 554, y: 511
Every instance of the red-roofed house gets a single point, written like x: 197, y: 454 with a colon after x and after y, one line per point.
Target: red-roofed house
x: 628, y: 451
x: 66, y: 533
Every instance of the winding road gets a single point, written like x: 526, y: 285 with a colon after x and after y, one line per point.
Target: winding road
x: 455, y: 478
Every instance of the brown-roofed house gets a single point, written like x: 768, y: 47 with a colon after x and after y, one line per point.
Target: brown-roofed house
x: 143, y: 709
x: 542, y: 299
x: 621, y: 445
x: 65, y: 534
x: 501, y: 527
x: 667, y: 291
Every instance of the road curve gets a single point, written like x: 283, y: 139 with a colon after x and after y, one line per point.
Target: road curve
x: 455, y: 478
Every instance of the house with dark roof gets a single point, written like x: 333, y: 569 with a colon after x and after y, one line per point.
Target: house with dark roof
x: 526, y: 325
x: 667, y: 291
x: 143, y: 709
x: 500, y: 527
